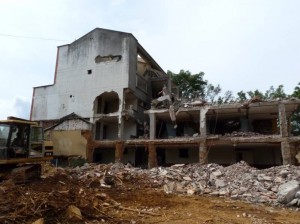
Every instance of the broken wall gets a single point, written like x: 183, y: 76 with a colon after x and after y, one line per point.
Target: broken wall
x: 69, y: 143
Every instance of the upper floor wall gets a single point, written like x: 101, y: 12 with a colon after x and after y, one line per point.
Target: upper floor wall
x: 97, y: 62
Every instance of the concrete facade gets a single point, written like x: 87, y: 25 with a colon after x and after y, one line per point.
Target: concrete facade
x: 105, y: 77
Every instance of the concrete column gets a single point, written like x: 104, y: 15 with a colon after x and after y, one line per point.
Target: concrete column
x: 293, y: 150
x: 89, y: 145
x: 119, y: 151
x: 152, y: 117
x: 202, y: 126
x: 152, y: 156
x: 101, y: 131
x: 286, y: 152
x: 121, y: 128
x: 289, y: 125
x: 282, y: 120
x: 244, y: 124
x: 203, y: 153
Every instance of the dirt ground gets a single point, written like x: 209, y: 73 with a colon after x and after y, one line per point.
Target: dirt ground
x: 129, y: 201
x: 199, y: 209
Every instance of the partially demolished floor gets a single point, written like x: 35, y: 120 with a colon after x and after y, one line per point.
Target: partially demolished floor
x: 114, y: 193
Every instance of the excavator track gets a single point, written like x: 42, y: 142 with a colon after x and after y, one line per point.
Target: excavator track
x: 26, y: 173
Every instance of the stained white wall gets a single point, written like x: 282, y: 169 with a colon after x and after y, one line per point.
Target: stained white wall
x: 75, y: 90
x: 69, y: 143
x: 129, y: 129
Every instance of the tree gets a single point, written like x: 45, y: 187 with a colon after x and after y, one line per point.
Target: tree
x: 295, y: 118
x: 227, y: 98
x: 241, y: 96
x: 189, y: 85
x: 273, y: 93
x: 255, y: 93
x: 277, y: 93
x: 296, y: 92
x: 212, y: 92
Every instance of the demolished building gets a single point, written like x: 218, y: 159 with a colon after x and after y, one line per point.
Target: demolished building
x: 108, y: 79
x: 256, y: 132
x: 106, y: 89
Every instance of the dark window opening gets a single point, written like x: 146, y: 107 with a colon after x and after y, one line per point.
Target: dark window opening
x: 222, y: 127
x: 161, y: 156
x: 183, y: 153
x: 106, y: 103
x: 264, y: 126
x: 141, y: 157
x: 89, y: 71
x: 238, y: 156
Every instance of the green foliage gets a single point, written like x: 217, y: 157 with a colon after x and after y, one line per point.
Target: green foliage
x: 296, y: 92
x: 273, y: 93
x: 194, y: 86
x: 241, y: 96
x: 295, y: 122
x: 255, y: 93
x: 227, y: 98
x: 295, y: 118
x: 211, y: 92
x: 189, y: 85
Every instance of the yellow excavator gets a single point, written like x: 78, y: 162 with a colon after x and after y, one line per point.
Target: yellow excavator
x: 22, y: 147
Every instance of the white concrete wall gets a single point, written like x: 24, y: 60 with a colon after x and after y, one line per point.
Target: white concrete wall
x: 75, y: 90
x: 129, y: 129
x: 112, y: 131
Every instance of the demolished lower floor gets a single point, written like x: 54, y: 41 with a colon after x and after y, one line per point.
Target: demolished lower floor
x: 260, y: 151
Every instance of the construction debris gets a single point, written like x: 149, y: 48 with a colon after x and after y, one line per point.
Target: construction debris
x: 238, y: 181
x: 82, y: 194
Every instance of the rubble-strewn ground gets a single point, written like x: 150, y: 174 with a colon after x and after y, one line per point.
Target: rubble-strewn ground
x: 121, y: 194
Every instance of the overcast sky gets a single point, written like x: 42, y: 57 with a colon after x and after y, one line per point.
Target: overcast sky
x: 239, y: 44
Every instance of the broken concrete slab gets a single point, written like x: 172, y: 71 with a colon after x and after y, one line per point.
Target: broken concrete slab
x: 287, y: 191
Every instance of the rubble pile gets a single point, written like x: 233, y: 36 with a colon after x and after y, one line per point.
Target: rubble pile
x: 238, y: 181
x: 242, y: 134
x: 61, y: 198
x: 88, y: 194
